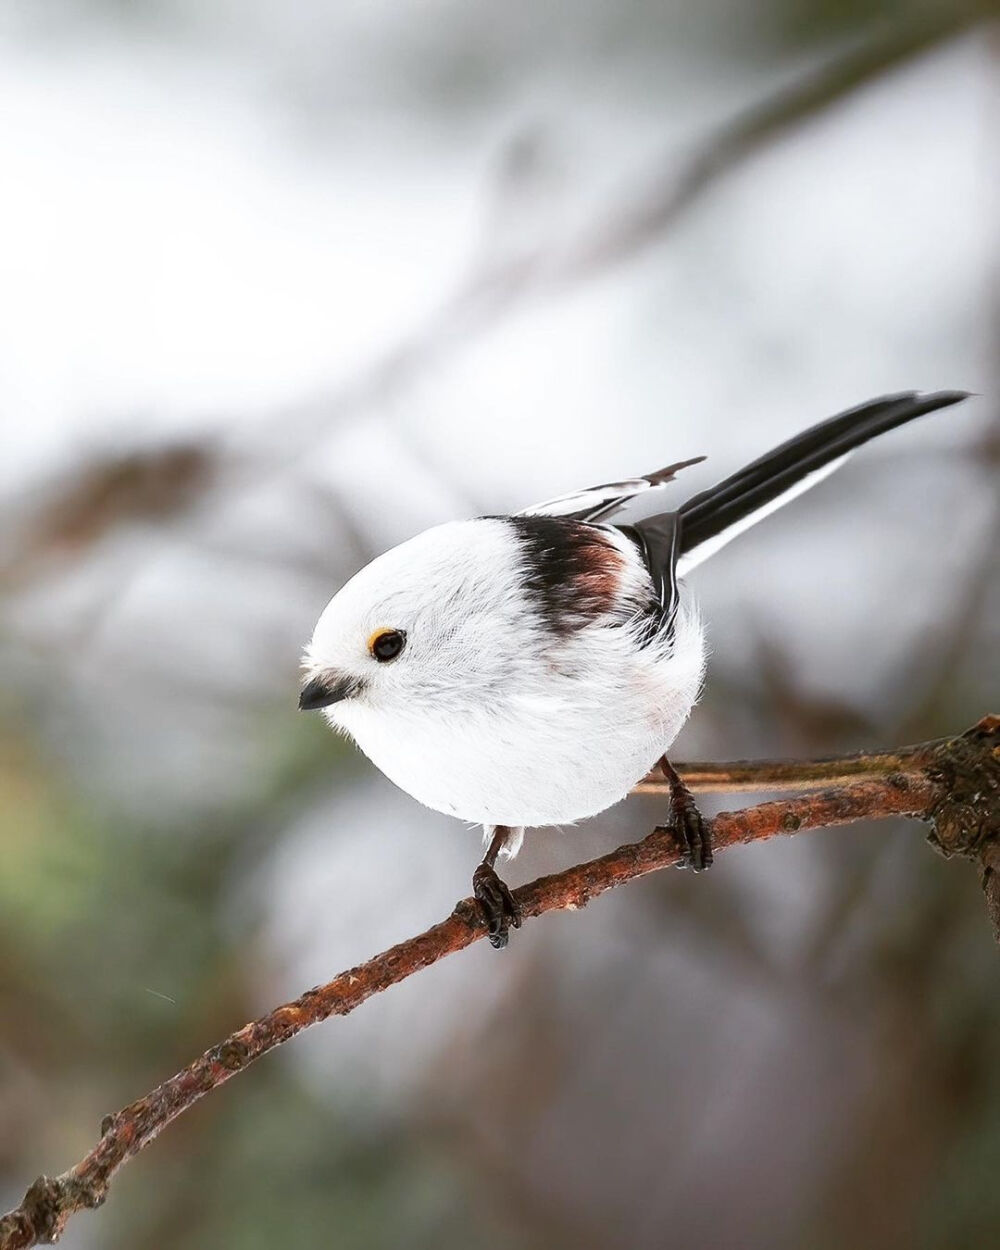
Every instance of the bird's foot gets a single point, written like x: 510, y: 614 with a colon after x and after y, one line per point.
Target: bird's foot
x: 496, y: 903
x: 688, y: 822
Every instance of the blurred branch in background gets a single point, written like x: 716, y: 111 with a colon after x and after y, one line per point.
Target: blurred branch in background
x: 954, y: 784
x: 168, y: 482
x: 180, y: 852
x: 644, y: 213
x: 634, y: 225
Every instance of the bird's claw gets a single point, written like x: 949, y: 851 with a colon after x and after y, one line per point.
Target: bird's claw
x: 688, y: 823
x: 497, y: 905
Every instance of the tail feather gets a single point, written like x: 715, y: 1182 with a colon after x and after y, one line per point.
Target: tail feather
x: 710, y: 519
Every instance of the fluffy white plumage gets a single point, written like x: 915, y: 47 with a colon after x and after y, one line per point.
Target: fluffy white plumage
x: 548, y: 664
x: 487, y: 715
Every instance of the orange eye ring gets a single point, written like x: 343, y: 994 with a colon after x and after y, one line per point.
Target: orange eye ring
x: 385, y: 644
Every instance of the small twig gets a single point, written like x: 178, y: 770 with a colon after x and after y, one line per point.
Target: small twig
x: 762, y: 776
x: 954, y: 784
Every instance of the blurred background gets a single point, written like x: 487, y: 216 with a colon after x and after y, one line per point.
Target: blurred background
x: 281, y: 285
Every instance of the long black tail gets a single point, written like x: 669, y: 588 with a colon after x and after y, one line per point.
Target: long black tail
x: 709, y: 520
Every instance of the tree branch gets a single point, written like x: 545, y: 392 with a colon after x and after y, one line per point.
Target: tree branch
x: 760, y: 776
x: 954, y: 784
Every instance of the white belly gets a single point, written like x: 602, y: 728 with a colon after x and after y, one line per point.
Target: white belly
x: 555, y: 752
x: 522, y: 776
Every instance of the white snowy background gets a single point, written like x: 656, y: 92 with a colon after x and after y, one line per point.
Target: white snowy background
x: 247, y: 229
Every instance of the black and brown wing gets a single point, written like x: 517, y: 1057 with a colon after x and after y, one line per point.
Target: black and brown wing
x: 568, y: 561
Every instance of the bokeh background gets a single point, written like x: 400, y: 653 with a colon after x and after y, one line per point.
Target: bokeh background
x: 282, y: 284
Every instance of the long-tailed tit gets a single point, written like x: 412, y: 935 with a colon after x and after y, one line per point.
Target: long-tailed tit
x: 528, y: 670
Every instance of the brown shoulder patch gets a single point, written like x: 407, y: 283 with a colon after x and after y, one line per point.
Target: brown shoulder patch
x: 572, y: 571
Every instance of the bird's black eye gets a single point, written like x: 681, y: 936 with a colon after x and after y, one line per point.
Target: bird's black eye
x: 386, y: 644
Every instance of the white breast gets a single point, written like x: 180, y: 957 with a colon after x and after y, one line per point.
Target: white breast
x: 563, y: 745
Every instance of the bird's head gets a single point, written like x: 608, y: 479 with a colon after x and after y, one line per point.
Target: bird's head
x: 438, y: 622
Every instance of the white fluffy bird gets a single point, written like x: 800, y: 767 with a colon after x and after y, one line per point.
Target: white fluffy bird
x: 528, y: 670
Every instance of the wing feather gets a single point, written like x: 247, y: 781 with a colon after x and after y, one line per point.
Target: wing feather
x: 598, y: 503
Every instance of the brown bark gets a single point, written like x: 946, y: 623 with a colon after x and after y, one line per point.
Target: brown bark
x: 953, y: 784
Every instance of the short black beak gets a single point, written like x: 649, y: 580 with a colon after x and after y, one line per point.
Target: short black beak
x: 325, y: 689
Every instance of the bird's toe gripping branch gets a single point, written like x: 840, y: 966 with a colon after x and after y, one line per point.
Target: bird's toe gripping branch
x: 497, y: 904
x: 495, y: 900
x: 688, y: 822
